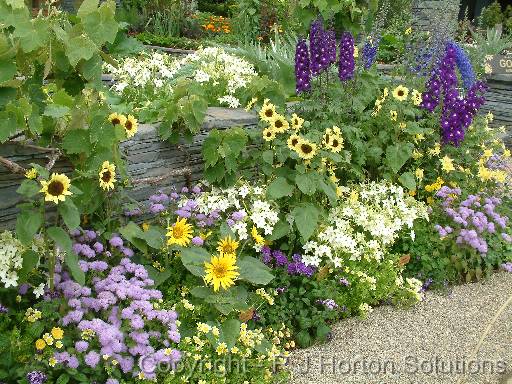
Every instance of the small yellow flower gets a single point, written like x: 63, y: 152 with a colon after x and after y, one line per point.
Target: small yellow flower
x: 267, y: 111
x: 402, y: 125
x: 31, y: 174
x: 251, y: 103
x: 57, y: 333
x: 52, y: 362
x: 401, y: 93
x: 488, y: 153
x: 393, y: 115
x: 447, y: 164
x: 356, y: 52
x: 180, y: 233
x: 227, y: 246
x: 131, y: 126
x: 416, y: 97
x: 419, y: 174
x: 221, y: 271
x: 506, y: 153
x: 215, y: 331
x: 221, y: 349
x: 258, y: 239
x: 279, y: 124
x: 293, y: 141
x: 40, y: 344
x: 306, y: 149
x: 145, y: 227
x: 48, y: 339
x: 408, y: 31
x: 59, y: 344
x: 208, y: 365
x: 203, y: 327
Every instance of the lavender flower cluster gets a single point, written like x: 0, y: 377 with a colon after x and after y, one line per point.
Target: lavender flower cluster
x: 322, y: 53
x: 457, y: 111
x: 475, y: 217
x: 330, y: 304
x: 278, y: 259
x: 118, y: 308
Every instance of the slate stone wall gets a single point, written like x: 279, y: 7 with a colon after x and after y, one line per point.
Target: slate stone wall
x: 499, y: 102
x: 146, y: 155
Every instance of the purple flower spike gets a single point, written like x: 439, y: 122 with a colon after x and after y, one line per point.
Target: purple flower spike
x: 302, y: 67
x: 346, y: 64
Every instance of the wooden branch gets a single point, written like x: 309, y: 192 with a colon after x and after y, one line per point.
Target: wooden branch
x: 52, y: 159
x: 12, y: 166
x: 157, y: 179
x: 34, y: 147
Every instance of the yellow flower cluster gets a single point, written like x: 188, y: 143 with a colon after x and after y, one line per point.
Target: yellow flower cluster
x: 187, y: 304
x: 379, y: 102
x: 434, y: 187
x: 262, y: 293
x: 31, y: 174
x: 333, y: 139
x: 129, y: 123
x: 281, y: 336
x: 250, y: 338
x: 48, y: 339
x: 87, y: 334
x: 32, y: 315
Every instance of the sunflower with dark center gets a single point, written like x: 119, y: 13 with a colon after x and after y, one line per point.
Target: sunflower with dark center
x: 269, y: 134
x: 131, y: 126
x: 267, y: 112
x: 279, y: 124
x: 401, y: 93
x: 117, y: 119
x: 107, y: 176
x: 57, y: 188
x: 306, y: 150
x: 293, y: 141
x: 297, y: 122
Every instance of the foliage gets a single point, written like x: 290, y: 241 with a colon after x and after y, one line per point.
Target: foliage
x: 168, y: 41
x: 493, y: 14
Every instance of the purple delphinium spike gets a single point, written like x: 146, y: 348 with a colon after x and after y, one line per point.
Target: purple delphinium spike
x: 302, y: 67
x: 369, y: 53
x: 346, y: 64
x: 464, y: 65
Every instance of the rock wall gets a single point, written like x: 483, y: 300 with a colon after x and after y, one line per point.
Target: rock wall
x: 152, y: 164
x: 499, y: 102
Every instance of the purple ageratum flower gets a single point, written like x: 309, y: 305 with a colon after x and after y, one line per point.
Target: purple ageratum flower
x: 238, y: 215
x: 507, y: 266
x: 23, y: 289
x: 159, y: 198
x: 36, y: 377
x: 3, y: 309
x: 196, y: 190
x: 133, y: 212
x: 92, y: 359
x: 302, y: 67
x: 346, y: 63
x: 266, y: 253
x: 112, y: 381
x: 156, y: 208
x: 116, y: 241
x: 197, y: 241
x: 81, y: 346
x: 344, y: 281
x: 330, y: 304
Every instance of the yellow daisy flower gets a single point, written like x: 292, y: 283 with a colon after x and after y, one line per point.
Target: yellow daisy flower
x: 117, y: 119
x: 227, y: 246
x: 52, y: 361
x: 107, y: 175
x: 269, y: 134
x: 57, y: 333
x: 401, y: 93
x: 306, y: 149
x: 57, y: 188
x: 221, y: 349
x: 31, y: 174
x: 267, y: 112
x: 131, y: 126
x: 279, y: 124
x: 221, y: 271
x: 416, y: 97
x: 297, y: 122
x: 293, y: 141
x: 40, y: 344
x: 180, y: 233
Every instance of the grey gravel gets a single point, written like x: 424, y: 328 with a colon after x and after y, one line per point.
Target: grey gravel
x: 428, y: 343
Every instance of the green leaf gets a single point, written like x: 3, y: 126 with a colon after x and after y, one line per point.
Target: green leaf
x: 211, y: 148
x: 63, y: 379
x: 61, y: 238
x: 135, y: 235
x: 30, y: 260
x: 254, y: 271
x: 28, y: 188
x: 268, y: 156
x: 28, y: 223
x: 408, y: 180
x: 330, y: 190
x: 230, y: 332
x: 80, y: 48
x: 101, y: 25
x: 7, y: 70
x: 56, y: 111
x: 87, y: 7
x: 69, y: 213
x: 322, y: 330
x: 279, y: 188
x: 306, y: 219
x: 77, y: 141
x: 193, y: 258
x: 306, y: 183
x: 281, y: 229
x: 398, y: 154
x: 8, y: 126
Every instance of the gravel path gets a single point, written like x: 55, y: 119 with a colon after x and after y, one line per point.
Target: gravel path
x: 429, y: 343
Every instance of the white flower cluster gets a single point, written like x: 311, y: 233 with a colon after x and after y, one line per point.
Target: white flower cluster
x: 244, y: 206
x: 365, y: 224
x: 221, y: 74
x: 10, y: 259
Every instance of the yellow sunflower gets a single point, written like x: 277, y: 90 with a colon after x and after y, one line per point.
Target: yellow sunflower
x: 117, y: 119
x: 306, y: 150
x: 336, y: 144
x: 107, y: 175
x: 269, y: 134
x: 279, y: 124
x: 227, y: 246
x: 57, y: 188
x: 130, y: 126
x: 267, y: 112
x: 393, y: 114
x: 297, y: 122
x: 258, y: 239
x: 221, y: 271
x: 293, y: 141
x: 400, y: 93
x: 180, y: 233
